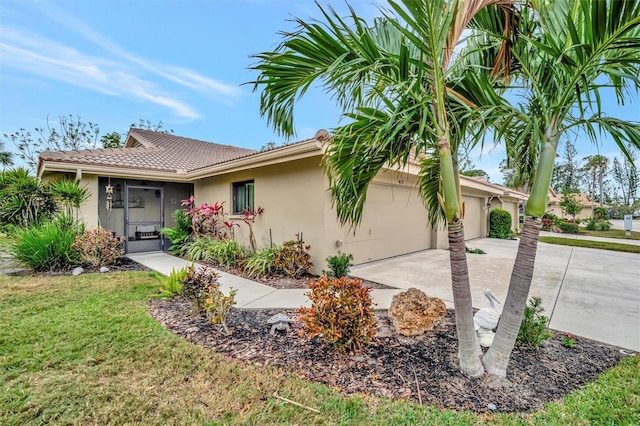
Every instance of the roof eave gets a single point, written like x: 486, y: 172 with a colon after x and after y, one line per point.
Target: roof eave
x: 113, y: 171
x: 297, y: 151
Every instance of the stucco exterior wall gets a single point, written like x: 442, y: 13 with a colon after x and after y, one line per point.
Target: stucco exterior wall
x: 292, y: 195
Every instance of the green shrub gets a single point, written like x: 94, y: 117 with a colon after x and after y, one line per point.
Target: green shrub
x: 201, y: 287
x: 293, y: 258
x: 47, y: 247
x: 99, y: 247
x: 261, y: 263
x: 568, y: 227
x: 500, y: 224
x: 600, y: 213
x: 217, y: 306
x: 170, y: 285
x: 533, y: 330
x: 598, y: 225
x: 196, y: 284
x: 24, y: 200
x: 198, y: 249
x: 180, y: 235
x: 339, y: 264
x: 228, y: 253
x: 341, y: 312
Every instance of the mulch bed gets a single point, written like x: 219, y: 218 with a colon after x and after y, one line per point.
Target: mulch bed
x: 124, y: 264
x: 421, y: 369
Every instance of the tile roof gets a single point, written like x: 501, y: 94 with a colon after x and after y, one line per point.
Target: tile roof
x: 149, y: 150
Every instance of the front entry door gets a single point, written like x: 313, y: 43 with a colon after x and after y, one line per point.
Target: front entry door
x: 144, y: 218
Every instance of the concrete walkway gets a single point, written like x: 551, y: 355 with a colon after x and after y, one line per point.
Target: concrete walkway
x: 251, y: 294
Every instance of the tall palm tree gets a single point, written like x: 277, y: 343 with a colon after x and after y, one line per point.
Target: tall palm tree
x: 5, y: 156
x: 395, y: 86
x: 579, y: 47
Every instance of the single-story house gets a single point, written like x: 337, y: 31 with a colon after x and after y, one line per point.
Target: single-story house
x: 553, y: 205
x: 154, y: 171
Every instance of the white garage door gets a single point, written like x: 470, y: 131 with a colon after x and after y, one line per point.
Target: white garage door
x: 473, y: 217
x: 394, y: 223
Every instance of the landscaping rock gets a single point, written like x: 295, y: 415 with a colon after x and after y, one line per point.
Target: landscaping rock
x: 104, y: 269
x: 413, y: 312
x: 77, y: 271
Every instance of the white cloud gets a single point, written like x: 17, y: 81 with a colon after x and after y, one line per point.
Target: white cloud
x: 227, y: 93
x: 51, y: 60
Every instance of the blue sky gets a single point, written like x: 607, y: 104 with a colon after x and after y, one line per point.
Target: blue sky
x: 181, y: 62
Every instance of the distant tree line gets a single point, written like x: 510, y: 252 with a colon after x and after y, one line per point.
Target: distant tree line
x: 68, y: 134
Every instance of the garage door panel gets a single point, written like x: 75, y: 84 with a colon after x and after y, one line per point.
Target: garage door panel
x: 473, y: 217
x: 394, y: 222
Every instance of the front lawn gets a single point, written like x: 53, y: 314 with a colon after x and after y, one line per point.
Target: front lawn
x: 602, y: 245
x: 613, y: 233
x: 84, y: 350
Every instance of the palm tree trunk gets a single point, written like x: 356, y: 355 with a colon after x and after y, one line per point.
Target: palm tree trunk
x: 469, y: 361
x: 497, y: 358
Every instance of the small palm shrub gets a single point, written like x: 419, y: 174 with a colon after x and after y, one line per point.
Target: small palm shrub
x: 99, y: 247
x: 293, y: 259
x: 533, y: 330
x: 180, y: 235
x: 24, y: 200
x: 47, y: 247
x: 500, y: 224
x: 341, y: 312
x: 170, y: 285
x: 339, y: 264
x: 261, y: 263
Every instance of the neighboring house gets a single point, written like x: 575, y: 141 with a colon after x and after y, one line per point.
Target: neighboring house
x: 154, y: 171
x: 553, y: 205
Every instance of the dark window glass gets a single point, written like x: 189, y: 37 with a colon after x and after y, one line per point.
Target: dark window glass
x: 242, y: 196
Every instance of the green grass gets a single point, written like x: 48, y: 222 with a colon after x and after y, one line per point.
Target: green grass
x: 602, y: 245
x: 84, y: 350
x: 613, y: 233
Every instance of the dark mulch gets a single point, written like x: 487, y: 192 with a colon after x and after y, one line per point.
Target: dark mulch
x: 422, y: 368
x: 124, y: 264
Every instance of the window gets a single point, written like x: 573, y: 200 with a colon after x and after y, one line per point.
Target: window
x: 242, y: 196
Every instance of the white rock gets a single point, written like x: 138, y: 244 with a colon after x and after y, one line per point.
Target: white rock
x: 77, y: 271
x: 104, y: 269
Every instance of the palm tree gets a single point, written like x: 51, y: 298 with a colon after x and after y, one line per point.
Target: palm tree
x: 579, y: 47
x: 395, y: 86
x: 5, y: 156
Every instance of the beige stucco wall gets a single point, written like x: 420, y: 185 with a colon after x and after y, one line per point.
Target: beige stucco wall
x: 296, y: 199
x: 292, y: 195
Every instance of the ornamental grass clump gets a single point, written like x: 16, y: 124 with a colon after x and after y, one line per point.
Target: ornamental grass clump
x: 341, y: 312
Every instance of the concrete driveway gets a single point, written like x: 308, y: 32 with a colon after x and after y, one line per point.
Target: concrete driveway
x: 590, y: 293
